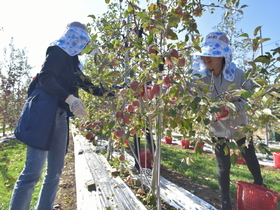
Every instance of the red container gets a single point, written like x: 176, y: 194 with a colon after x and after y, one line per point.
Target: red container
x: 199, y: 144
x: 276, y: 157
x: 185, y: 144
x: 168, y: 140
x: 240, y: 160
x: 254, y: 197
x: 145, y: 158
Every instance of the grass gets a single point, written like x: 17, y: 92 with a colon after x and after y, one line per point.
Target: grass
x: 201, y: 171
x: 12, y: 158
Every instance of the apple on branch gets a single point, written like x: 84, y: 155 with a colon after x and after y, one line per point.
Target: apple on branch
x: 119, y: 133
x: 134, y: 85
x: 129, y: 108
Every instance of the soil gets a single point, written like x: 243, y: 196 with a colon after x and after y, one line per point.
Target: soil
x: 66, y: 196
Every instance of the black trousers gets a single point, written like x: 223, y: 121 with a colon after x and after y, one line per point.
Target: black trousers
x: 224, y: 166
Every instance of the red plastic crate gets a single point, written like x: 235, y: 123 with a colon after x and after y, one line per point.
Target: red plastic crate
x: 145, y: 158
x: 255, y: 197
x: 185, y: 144
x: 276, y: 158
x: 168, y: 140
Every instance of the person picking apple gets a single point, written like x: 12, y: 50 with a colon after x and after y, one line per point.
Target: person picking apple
x: 44, y: 121
x: 214, y: 65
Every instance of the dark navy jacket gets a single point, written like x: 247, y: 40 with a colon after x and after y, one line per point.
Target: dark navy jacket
x: 60, y: 76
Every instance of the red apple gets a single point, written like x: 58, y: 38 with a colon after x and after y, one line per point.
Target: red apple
x: 156, y: 89
x: 132, y: 132
x: 167, y: 81
x: 129, y: 108
x: 163, y: 7
x: 134, y: 85
x: 119, y: 133
x: 123, y: 91
x: 197, y: 12
x: 186, y: 16
x: 119, y: 115
x: 136, y: 103
x: 126, y: 119
x: 150, y: 94
x: 168, y: 60
x: 89, y: 135
x: 121, y: 158
x: 152, y: 49
x: 179, y: 11
x: 175, y: 53
x: 181, y: 62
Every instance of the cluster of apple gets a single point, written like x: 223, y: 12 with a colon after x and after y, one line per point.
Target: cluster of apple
x: 92, y: 126
x: 140, y: 90
x: 171, y: 57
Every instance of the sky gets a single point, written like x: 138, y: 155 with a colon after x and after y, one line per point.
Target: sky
x: 34, y: 24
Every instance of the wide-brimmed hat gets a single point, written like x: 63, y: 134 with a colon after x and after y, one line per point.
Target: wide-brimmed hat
x: 216, y: 45
x: 74, y: 38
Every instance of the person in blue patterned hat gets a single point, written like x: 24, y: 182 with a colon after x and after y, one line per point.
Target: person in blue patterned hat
x: 44, y: 121
x: 213, y: 65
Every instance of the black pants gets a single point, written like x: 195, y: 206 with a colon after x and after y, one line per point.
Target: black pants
x: 137, y: 150
x: 224, y: 165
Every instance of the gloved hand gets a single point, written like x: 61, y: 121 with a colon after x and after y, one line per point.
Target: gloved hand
x: 76, y: 106
x: 224, y: 114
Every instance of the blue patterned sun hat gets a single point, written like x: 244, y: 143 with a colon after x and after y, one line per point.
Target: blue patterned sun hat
x: 74, y: 39
x: 215, y: 45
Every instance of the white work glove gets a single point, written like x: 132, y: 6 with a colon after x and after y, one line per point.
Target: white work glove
x: 76, y: 106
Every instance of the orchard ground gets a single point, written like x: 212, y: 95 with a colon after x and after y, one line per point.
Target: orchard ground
x: 66, y: 197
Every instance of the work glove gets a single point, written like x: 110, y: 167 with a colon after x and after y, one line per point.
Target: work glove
x: 224, y: 114
x: 76, y: 106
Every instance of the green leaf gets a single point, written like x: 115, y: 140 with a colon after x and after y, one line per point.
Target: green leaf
x: 243, y: 6
x: 197, y: 99
x: 256, y: 31
x: 244, y: 35
x: 142, y: 15
x: 263, y: 59
x: 107, y: 1
x: 232, y: 145
x: 261, y: 82
x: 111, y: 124
x: 113, y: 74
x: 155, y: 31
x: 206, y: 121
x: 92, y: 16
x: 214, y: 109
x: 246, y: 94
x: 275, y: 94
x: 150, y: 38
x: 263, y: 40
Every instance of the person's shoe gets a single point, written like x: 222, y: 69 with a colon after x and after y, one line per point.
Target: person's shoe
x: 263, y: 185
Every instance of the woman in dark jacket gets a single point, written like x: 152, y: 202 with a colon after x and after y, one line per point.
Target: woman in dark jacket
x: 43, y: 124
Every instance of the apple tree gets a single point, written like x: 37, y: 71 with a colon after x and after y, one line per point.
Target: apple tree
x: 14, y: 74
x: 146, y: 48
